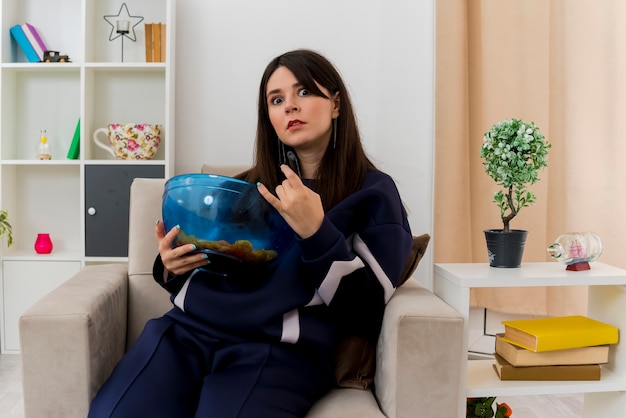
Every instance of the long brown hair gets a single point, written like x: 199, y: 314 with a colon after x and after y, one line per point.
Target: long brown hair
x: 344, y: 164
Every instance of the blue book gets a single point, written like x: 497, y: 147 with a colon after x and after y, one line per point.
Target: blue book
x: 24, y: 43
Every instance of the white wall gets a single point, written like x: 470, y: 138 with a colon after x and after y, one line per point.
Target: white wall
x: 383, y: 48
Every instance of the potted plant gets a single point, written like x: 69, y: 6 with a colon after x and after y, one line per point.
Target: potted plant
x: 513, y: 152
x: 5, y: 227
x: 483, y: 408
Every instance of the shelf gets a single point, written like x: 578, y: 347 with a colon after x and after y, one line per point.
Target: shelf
x: 30, y: 255
x: 124, y: 162
x: 606, y: 302
x: 58, y: 22
x: 106, y: 260
x: 42, y: 163
x: 75, y: 66
x: 57, y: 196
x: 470, y: 275
x: 482, y: 380
x: 36, y: 100
x: 135, y: 66
x: 41, y: 67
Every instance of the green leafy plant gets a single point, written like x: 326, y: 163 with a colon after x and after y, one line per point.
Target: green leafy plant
x: 5, y: 227
x: 483, y: 408
x: 513, y: 152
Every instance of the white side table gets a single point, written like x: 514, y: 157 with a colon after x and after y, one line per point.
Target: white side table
x: 607, y: 303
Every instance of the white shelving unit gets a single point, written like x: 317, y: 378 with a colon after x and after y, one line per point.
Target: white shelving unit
x: 607, y: 303
x: 97, y: 88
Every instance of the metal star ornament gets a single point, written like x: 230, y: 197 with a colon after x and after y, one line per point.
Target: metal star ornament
x: 114, y: 19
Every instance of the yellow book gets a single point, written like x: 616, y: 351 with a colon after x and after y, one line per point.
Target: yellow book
x: 519, y: 357
x: 559, y: 333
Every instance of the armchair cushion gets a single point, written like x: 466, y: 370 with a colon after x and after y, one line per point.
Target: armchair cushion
x: 355, y: 359
x: 420, y: 243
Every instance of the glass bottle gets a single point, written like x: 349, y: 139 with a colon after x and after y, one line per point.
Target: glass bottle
x: 576, y: 249
x: 44, y: 147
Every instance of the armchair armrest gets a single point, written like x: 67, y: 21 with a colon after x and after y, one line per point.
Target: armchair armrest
x: 419, y: 353
x: 71, y: 339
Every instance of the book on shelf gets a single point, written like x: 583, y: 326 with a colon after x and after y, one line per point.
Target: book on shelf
x: 559, y: 333
x: 22, y: 41
x: 148, y: 34
x: 506, y: 371
x: 155, y: 42
x: 518, y: 356
x: 74, y: 151
x: 163, y: 32
x: 35, y: 40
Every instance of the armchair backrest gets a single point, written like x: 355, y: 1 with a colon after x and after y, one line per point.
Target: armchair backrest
x: 146, y: 299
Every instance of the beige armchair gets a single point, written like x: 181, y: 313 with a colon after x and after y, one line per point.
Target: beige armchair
x: 72, y: 337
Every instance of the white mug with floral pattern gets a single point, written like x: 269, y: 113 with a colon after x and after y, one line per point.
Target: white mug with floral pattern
x: 130, y: 141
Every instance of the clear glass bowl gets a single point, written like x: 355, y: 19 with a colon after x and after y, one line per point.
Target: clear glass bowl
x: 225, y: 218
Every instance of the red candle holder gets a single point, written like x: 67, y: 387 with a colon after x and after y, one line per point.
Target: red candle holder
x: 43, y: 244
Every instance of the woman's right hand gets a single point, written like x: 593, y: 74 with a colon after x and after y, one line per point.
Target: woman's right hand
x: 299, y: 206
x: 178, y: 260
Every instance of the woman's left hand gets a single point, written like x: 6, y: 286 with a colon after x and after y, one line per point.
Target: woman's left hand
x: 300, y: 206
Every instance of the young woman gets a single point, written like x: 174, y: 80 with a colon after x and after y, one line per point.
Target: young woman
x: 230, y: 350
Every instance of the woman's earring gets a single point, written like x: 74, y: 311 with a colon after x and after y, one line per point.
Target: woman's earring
x: 334, y: 133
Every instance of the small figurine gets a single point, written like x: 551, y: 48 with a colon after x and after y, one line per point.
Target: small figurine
x: 55, y: 56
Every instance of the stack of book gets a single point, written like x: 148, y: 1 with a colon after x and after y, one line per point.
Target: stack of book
x: 155, y: 42
x: 555, y: 348
x: 29, y: 41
